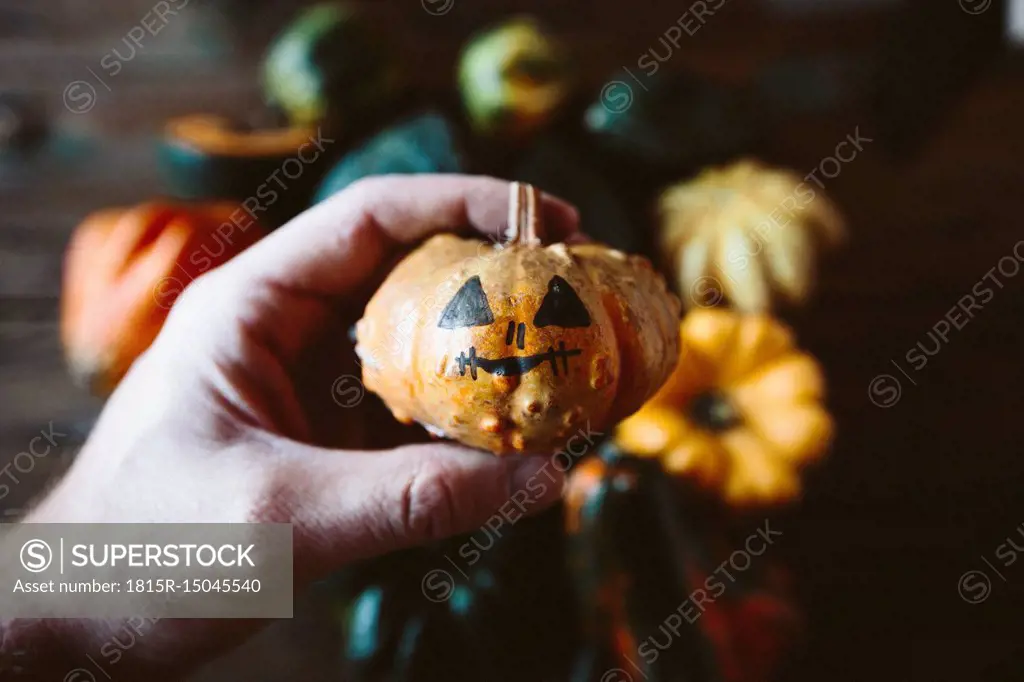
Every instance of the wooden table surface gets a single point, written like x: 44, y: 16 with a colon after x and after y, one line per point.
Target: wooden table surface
x: 914, y: 494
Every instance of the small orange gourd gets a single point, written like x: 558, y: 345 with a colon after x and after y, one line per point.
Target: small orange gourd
x: 123, y: 270
x: 512, y: 348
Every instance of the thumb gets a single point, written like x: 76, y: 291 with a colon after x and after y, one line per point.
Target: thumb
x: 346, y: 506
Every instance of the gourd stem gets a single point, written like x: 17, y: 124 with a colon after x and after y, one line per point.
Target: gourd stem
x: 524, y: 226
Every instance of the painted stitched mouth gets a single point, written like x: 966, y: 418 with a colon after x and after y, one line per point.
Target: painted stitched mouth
x: 515, y: 365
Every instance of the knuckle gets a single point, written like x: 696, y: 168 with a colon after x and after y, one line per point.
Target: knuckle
x: 362, y: 184
x: 430, y: 506
x: 275, y: 502
x: 277, y: 490
x: 371, y: 190
x: 363, y: 188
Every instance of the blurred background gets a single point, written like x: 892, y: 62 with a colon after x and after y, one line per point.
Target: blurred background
x: 923, y: 483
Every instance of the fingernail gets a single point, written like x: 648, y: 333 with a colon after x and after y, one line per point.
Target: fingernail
x: 538, y: 477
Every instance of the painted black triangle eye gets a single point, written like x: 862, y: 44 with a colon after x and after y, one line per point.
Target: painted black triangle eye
x: 468, y: 307
x: 561, y: 307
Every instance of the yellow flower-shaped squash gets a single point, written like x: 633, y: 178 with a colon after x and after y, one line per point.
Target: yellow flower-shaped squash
x: 746, y: 232
x: 741, y: 414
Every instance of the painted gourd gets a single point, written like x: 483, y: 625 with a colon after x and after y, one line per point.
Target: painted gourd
x: 330, y: 67
x: 514, y: 79
x: 741, y: 414
x: 206, y: 157
x: 513, y: 348
x: 746, y: 234
x: 123, y: 270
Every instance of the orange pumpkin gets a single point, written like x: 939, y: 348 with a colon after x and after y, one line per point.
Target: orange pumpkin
x: 125, y: 268
x: 741, y: 413
x: 511, y: 348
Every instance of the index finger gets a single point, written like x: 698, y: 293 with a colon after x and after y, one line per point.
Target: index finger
x: 337, y: 245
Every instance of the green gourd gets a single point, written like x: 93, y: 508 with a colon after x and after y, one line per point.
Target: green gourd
x: 423, y: 144
x: 514, y: 79
x: 329, y: 66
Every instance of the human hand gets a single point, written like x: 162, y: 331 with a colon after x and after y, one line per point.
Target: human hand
x: 229, y: 416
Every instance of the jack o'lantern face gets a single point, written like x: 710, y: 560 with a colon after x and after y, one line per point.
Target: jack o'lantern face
x: 515, y: 348
x: 560, y: 307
